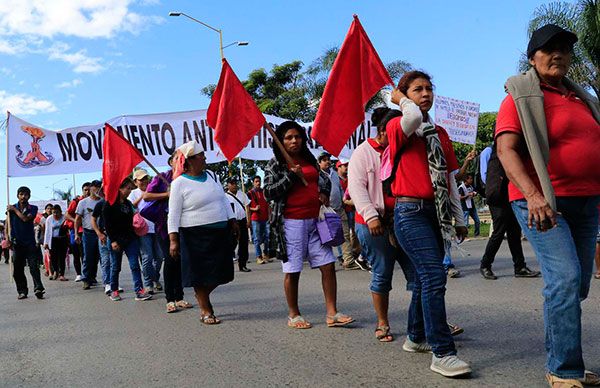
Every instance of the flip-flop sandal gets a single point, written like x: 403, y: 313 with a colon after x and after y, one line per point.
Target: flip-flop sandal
x: 385, y: 335
x: 183, y: 304
x: 557, y: 382
x: 597, y: 276
x: 298, y: 322
x: 590, y: 378
x: 210, y: 319
x: 339, y: 320
x: 171, y: 307
x: 455, y: 329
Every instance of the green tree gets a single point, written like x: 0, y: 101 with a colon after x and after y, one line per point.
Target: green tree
x: 583, y: 18
x: 63, y: 195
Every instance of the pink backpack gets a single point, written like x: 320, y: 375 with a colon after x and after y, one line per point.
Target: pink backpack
x: 140, y: 226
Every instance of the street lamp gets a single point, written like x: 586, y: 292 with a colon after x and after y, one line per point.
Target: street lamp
x: 220, y: 32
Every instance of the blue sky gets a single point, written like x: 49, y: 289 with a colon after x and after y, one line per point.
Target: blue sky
x: 65, y: 64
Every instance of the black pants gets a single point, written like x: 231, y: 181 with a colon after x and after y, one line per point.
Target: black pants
x: 27, y: 254
x: 504, y: 222
x: 171, y: 273
x: 58, y: 255
x: 77, y: 251
x: 6, y: 254
x: 242, y: 244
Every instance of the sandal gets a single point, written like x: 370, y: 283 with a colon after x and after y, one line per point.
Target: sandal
x: 298, y: 322
x: 590, y: 378
x: 171, y: 307
x: 597, y: 275
x: 339, y: 320
x: 385, y: 335
x: 183, y: 304
x: 209, y: 319
x: 557, y: 382
x: 455, y: 329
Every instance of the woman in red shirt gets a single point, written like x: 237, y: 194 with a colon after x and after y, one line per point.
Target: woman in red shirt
x: 426, y: 200
x: 554, y: 192
x: 293, y: 221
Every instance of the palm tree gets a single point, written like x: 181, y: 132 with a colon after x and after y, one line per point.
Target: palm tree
x: 63, y: 195
x: 583, y: 18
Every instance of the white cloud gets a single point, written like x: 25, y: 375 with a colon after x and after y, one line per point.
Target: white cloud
x: 79, y: 60
x: 24, y: 104
x: 78, y: 18
x: 69, y: 84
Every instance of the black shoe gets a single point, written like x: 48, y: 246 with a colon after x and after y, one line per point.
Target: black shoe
x: 487, y: 273
x: 363, y: 264
x: 86, y: 285
x: 39, y: 294
x: 244, y: 269
x: 526, y: 273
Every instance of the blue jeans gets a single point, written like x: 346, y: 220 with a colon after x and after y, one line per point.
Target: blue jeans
x: 473, y: 213
x: 132, y: 250
x: 566, y: 257
x: 105, y: 261
x: 382, y: 257
x: 260, y: 235
x: 418, y: 233
x: 91, y: 256
x: 151, y: 259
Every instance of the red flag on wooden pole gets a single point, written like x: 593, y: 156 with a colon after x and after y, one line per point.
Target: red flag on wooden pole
x: 357, y: 74
x: 233, y: 114
x: 120, y: 157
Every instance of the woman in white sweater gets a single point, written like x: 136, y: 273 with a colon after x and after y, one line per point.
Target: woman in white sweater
x: 56, y: 241
x: 201, y: 228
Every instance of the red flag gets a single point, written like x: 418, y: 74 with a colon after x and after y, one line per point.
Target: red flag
x: 120, y: 157
x: 233, y: 114
x: 357, y: 74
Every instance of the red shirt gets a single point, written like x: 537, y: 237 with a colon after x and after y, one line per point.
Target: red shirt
x: 388, y: 201
x: 574, y: 138
x: 303, y: 201
x: 257, y: 198
x: 71, y: 211
x: 412, y: 176
x: 344, y: 184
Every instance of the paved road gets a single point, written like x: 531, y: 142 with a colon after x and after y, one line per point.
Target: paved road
x: 80, y: 338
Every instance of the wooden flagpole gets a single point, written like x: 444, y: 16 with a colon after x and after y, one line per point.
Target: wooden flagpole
x: 287, y: 156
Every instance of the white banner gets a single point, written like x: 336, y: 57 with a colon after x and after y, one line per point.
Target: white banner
x: 458, y: 118
x: 34, y: 151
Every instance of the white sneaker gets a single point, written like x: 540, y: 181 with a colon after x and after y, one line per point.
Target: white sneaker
x: 107, y: 289
x: 413, y: 347
x: 449, y: 366
x: 78, y: 278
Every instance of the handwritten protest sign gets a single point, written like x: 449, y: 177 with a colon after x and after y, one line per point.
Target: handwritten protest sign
x: 458, y: 118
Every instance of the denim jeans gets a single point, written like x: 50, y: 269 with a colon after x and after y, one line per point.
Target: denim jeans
x: 132, y: 250
x: 91, y: 255
x: 151, y: 259
x: 566, y: 256
x: 382, y: 257
x: 473, y: 213
x: 105, y: 260
x: 418, y: 233
x: 260, y: 235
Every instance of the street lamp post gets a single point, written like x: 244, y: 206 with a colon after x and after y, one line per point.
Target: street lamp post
x: 54, y: 184
x: 217, y: 30
x: 221, y: 48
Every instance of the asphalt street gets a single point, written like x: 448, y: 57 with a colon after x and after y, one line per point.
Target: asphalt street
x: 77, y: 338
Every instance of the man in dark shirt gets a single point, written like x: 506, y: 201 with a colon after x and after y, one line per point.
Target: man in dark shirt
x: 23, y: 244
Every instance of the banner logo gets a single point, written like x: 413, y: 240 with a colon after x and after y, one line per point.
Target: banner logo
x: 35, y: 157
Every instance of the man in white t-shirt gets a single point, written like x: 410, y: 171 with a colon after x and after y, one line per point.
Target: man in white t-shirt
x: 152, y: 257
x: 239, y: 202
x: 91, y: 253
x: 467, y: 194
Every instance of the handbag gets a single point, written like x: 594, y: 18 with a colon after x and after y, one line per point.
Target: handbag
x: 329, y: 226
x: 140, y: 226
